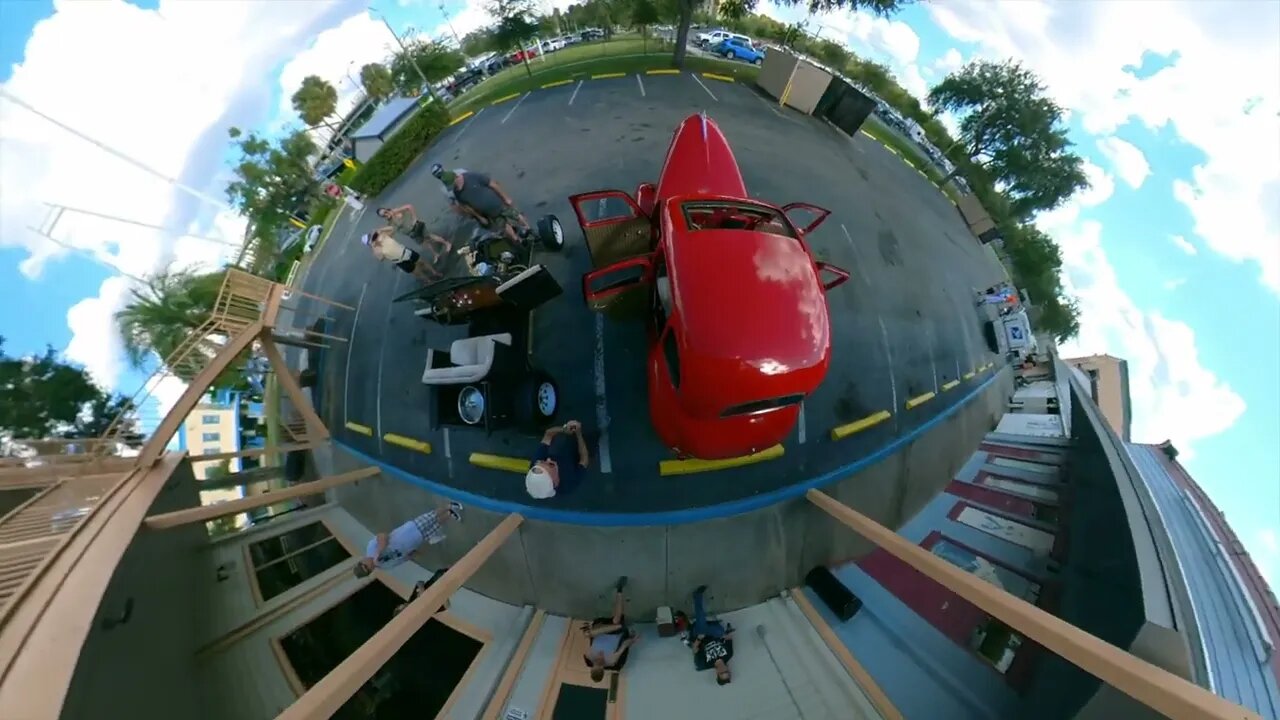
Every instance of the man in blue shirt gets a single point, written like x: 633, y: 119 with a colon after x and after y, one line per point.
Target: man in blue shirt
x: 387, y: 550
x: 559, y: 462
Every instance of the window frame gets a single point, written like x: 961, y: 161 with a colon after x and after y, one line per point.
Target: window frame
x: 934, y: 538
x: 403, y: 589
x: 210, y: 437
x: 702, y: 205
x: 252, y: 569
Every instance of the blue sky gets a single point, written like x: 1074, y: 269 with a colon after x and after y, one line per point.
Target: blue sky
x: 1201, y: 331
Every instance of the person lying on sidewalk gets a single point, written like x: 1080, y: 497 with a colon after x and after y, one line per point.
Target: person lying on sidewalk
x: 559, y: 462
x: 387, y: 550
x: 610, y: 639
x: 711, y: 640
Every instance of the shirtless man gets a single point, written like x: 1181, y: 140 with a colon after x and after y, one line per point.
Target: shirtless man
x: 387, y: 249
x: 405, y: 220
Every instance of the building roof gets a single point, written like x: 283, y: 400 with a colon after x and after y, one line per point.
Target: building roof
x: 384, y: 117
x: 1236, y: 613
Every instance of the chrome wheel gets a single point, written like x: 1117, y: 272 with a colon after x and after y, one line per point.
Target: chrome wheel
x: 546, y: 399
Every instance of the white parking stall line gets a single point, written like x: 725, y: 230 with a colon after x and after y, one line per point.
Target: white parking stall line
x: 468, y: 124
x: 575, y: 91
x: 382, y: 353
x: 641, y: 84
x: 514, y: 108
x: 704, y: 87
x: 351, y: 343
x: 928, y: 334
x: 884, y: 331
x: 448, y: 452
x: 802, y: 423
x: 602, y: 410
x: 771, y: 106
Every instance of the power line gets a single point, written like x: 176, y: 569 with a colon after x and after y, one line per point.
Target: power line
x: 117, y: 218
x: 4, y: 93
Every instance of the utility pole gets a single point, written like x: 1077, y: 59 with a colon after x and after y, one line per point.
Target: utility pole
x: 60, y: 209
x: 449, y: 22
x: 117, y: 153
x: 412, y: 61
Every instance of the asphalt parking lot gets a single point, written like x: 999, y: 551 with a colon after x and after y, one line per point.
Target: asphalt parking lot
x: 905, y: 331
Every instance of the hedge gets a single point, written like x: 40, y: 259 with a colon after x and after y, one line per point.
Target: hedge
x: 400, y: 150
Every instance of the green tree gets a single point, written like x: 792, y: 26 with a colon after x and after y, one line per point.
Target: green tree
x: 643, y: 14
x: 423, y: 58
x: 273, y: 180
x: 160, y: 315
x: 43, y: 396
x: 833, y: 54
x: 687, y: 8
x: 377, y: 81
x: 478, y: 42
x: 1014, y: 131
x: 515, y: 25
x: 315, y: 100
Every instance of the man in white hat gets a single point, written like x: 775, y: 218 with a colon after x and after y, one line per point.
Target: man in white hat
x: 559, y: 463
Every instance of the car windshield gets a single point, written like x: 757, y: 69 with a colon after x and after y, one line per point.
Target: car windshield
x: 735, y: 216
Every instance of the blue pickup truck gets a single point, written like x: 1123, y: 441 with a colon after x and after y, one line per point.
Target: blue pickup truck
x: 738, y: 49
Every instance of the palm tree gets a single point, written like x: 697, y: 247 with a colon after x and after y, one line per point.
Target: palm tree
x: 160, y: 315
x: 377, y: 81
x: 315, y: 100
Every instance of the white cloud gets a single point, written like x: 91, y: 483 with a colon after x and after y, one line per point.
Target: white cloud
x: 1174, y: 284
x: 1173, y: 395
x: 336, y: 55
x: 950, y: 61
x: 1081, y: 51
x: 1101, y: 187
x: 1183, y: 244
x: 1126, y: 159
x: 164, y: 97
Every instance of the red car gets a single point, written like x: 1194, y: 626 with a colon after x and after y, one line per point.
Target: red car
x: 734, y: 302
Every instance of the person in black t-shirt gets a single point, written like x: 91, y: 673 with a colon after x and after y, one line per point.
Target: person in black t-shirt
x: 711, y: 640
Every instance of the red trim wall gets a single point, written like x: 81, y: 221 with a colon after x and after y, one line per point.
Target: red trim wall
x: 1016, y: 453
x: 947, y: 612
x: 993, y: 498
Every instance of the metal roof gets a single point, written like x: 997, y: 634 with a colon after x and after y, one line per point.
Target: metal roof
x: 385, y: 116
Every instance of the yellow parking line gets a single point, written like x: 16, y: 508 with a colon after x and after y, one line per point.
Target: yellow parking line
x: 950, y: 385
x: 421, y: 446
x: 604, y: 76
x: 693, y: 465
x: 845, y: 431
x: 362, y: 429
x: 895, y: 152
x: 969, y: 375
x: 661, y: 72
x: 461, y: 117
x: 505, y: 98
x: 985, y: 368
x: 919, y: 400
x: 499, y: 462
x: 556, y: 84
x: 714, y: 76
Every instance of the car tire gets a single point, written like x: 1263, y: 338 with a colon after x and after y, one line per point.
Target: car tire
x: 537, y: 400
x: 757, y: 61
x: 550, y: 233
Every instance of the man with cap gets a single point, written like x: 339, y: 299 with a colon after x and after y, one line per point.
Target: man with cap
x: 387, y: 550
x: 478, y: 196
x: 559, y: 462
x: 387, y: 249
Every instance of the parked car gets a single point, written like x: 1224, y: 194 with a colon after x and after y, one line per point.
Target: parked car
x: 714, y: 37
x: 591, y: 34
x: 464, y: 80
x: 736, y: 48
x: 733, y: 299
x: 552, y: 45
x: 519, y: 56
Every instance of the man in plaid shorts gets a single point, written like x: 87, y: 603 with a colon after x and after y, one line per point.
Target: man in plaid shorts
x: 387, y: 550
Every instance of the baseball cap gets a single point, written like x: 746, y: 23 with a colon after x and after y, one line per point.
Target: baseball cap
x: 436, y: 169
x: 366, y: 238
x: 538, y: 482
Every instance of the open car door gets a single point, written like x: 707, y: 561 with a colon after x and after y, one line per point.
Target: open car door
x: 614, y: 226
x: 621, y: 289
x: 798, y: 212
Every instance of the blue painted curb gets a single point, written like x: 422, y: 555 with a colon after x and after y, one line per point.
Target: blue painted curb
x: 672, y: 517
